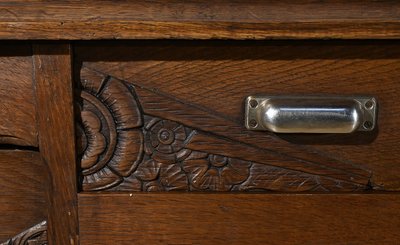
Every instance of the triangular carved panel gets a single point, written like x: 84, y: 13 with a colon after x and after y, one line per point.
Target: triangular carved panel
x: 136, y: 139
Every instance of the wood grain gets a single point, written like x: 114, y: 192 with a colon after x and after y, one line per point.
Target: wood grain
x: 199, y: 19
x: 167, y: 153
x: 36, y: 235
x: 18, y: 107
x: 110, y: 139
x: 203, y: 84
x: 53, y: 77
x: 238, y: 219
x: 23, y: 186
x: 268, y: 147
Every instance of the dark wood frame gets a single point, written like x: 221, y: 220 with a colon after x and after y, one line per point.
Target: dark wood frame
x: 317, y: 217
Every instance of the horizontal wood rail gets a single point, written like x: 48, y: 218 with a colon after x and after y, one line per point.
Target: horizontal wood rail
x: 240, y: 19
x: 181, y: 218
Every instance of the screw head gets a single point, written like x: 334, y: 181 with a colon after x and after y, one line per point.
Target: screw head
x: 253, y: 103
x: 253, y: 123
x: 368, y: 124
x: 369, y: 104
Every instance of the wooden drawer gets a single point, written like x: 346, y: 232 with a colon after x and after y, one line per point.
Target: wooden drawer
x: 152, y: 147
x: 194, y: 92
x: 167, y: 116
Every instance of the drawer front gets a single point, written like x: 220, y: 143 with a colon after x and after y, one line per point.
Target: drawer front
x: 166, y: 116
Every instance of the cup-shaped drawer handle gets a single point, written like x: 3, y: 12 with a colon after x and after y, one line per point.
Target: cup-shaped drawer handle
x: 310, y: 114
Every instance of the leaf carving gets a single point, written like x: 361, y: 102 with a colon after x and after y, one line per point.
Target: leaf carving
x: 277, y: 179
x: 148, y: 170
x: 215, y: 172
x: 172, y: 178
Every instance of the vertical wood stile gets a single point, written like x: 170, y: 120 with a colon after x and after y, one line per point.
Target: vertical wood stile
x: 54, y: 93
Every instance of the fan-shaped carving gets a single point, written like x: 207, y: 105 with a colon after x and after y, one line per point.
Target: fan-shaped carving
x: 110, y: 138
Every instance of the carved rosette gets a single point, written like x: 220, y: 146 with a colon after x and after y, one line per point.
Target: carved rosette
x: 128, y: 146
x: 165, y: 141
x: 110, y: 138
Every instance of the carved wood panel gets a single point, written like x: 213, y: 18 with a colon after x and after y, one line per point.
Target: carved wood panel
x: 24, y: 184
x: 36, y: 235
x: 135, y: 139
x: 18, y: 107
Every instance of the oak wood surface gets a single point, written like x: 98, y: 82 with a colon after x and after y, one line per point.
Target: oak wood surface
x: 156, y: 142
x: 18, y: 107
x: 53, y: 80
x: 36, y: 235
x: 238, y: 219
x: 203, y: 84
x: 77, y: 20
x: 195, y: 90
x: 23, y: 187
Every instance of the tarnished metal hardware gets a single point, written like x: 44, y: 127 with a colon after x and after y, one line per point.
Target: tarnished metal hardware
x: 310, y: 114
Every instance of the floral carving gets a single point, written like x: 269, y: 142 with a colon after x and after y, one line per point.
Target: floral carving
x: 215, y: 172
x: 165, y: 141
x: 97, y: 142
x: 110, y: 139
x: 158, y: 176
x: 127, y: 146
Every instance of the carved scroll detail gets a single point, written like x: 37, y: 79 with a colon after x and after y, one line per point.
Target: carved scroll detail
x: 36, y: 235
x: 133, y: 139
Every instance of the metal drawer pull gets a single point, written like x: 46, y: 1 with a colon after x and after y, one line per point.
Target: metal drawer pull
x: 305, y: 114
